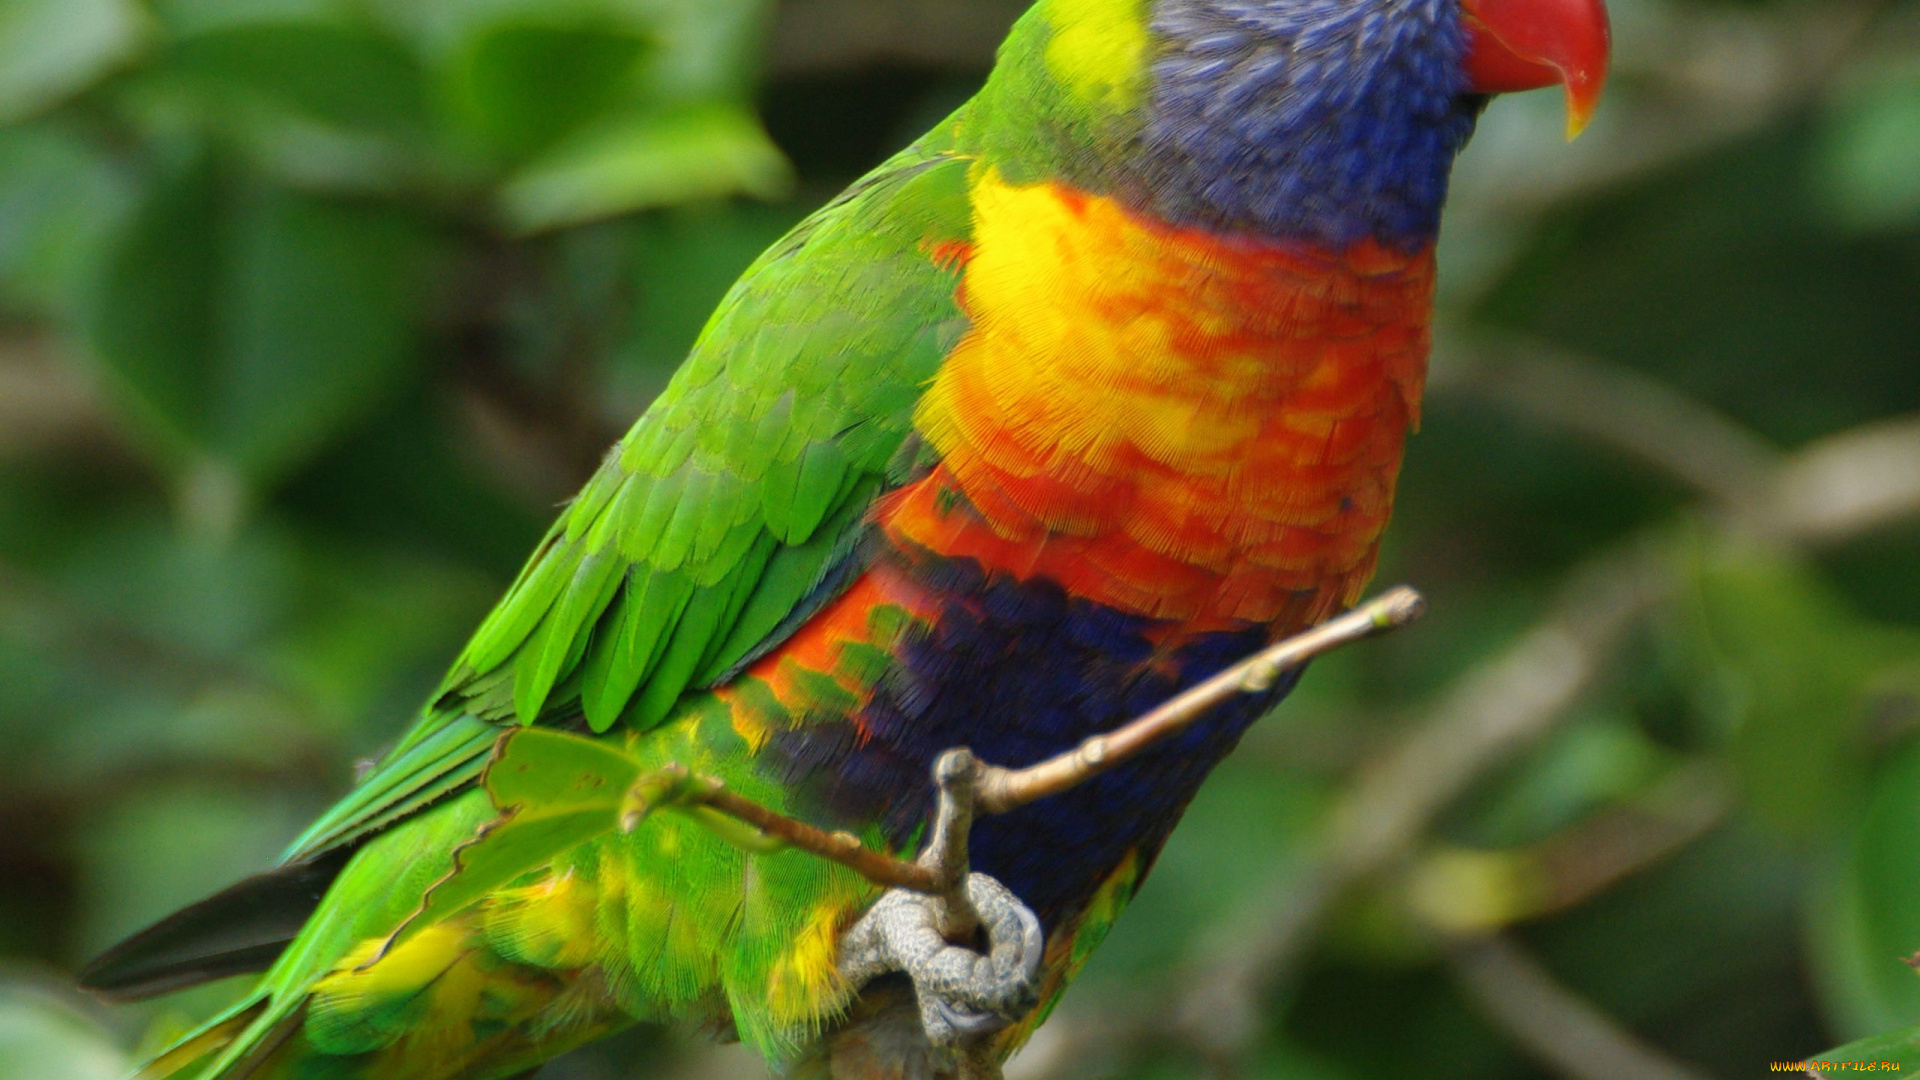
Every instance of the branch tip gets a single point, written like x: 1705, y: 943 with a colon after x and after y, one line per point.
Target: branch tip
x: 1397, y: 607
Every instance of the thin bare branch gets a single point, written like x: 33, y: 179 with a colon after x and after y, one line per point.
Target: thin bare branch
x: 1472, y: 892
x: 968, y: 786
x: 1555, y: 1026
x: 1594, y: 855
x: 1615, y: 406
x: 840, y: 847
x: 1003, y: 789
x: 1845, y: 485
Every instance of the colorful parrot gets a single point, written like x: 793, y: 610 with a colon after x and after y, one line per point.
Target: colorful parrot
x: 1098, y: 387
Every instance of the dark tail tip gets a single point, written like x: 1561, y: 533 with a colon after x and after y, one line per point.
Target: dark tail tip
x: 240, y: 929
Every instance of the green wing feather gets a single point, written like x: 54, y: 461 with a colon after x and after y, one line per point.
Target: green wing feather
x: 731, y: 510
x: 730, y: 513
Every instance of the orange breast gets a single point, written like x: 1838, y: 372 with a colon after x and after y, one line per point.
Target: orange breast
x: 1175, y: 424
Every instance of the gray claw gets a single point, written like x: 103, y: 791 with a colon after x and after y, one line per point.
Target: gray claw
x: 962, y: 994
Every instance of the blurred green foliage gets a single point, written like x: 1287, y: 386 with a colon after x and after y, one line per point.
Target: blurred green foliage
x: 312, y: 310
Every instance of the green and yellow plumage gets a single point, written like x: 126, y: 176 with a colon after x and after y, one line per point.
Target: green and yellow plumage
x: 729, y: 508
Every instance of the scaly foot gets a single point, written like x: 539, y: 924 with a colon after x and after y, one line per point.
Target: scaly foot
x: 962, y: 993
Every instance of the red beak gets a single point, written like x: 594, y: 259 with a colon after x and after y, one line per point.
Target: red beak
x: 1527, y: 44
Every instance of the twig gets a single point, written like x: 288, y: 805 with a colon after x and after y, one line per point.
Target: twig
x: 48, y: 401
x: 1594, y: 855
x: 1002, y: 790
x: 840, y: 847
x: 1475, y: 892
x: 1845, y: 485
x: 1550, y: 1022
x: 968, y: 785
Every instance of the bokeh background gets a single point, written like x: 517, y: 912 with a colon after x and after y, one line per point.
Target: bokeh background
x: 311, y: 311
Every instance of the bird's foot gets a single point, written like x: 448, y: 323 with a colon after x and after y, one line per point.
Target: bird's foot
x: 962, y: 994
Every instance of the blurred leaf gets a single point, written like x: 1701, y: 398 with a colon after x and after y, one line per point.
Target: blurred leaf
x: 1434, y: 1032
x: 647, y: 160
x: 524, y: 86
x: 1579, y: 768
x: 367, y: 613
x: 197, y: 16
x: 1711, y: 935
x: 1900, y: 1048
x: 51, y: 48
x: 59, y: 200
x: 249, y: 325
x: 700, y: 48
x: 1868, y: 168
x: 407, y: 478
x: 706, y: 46
x: 299, y: 67
x: 136, y: 575
x: 1869, y: 920
x: 42, y: 1037
x: 146, y: 646
x: 1790, y: 668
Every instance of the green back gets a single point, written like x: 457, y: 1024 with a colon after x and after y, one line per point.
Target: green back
x: 733, y: 508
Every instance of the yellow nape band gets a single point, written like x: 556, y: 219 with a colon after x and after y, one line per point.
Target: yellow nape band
x: 1098, y: 49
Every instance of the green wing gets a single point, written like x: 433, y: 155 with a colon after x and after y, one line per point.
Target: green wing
x: 731, y: 510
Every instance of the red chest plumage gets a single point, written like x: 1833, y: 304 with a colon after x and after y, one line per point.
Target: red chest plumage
x: 1200, y: 429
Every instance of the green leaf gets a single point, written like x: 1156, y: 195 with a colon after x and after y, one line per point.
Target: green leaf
x: 52, y: 48
x: 60, y: 199
x: 1599, y: 759
x: 249, y: 325
x: 1788, y: 665
x: 521, y: 86
x: 1869, y: 920
x: 198, y: 16
x: 707, y: 47
x: 645, y: 160
x: 298, y: 66
x: 1868, y: 164
x: 1899, y: 1049
x: 553, y: 790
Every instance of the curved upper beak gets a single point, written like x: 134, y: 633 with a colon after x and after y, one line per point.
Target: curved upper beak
x: 1528, y: 44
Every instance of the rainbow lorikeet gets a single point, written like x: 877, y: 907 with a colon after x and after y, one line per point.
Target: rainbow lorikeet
x: 1096, y: 388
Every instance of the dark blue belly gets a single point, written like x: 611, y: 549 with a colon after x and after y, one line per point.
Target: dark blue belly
x: 1019, y: 672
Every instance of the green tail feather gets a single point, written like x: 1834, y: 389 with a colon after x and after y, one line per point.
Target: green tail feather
x: 187, y: 1059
